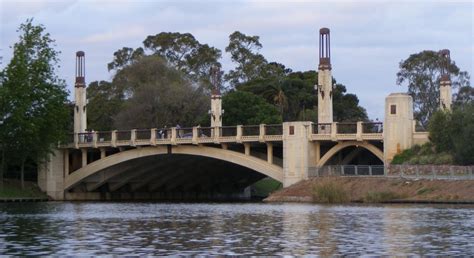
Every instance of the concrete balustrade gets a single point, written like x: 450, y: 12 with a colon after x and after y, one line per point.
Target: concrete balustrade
x: 359, y: 131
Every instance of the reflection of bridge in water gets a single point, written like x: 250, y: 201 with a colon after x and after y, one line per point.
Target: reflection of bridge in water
x: 220, y: 161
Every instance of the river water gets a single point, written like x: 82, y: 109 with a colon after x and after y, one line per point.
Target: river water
x: 233, y: 229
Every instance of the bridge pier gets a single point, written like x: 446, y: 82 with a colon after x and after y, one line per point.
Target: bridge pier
x: 51, y: 174
x: 296, y: 152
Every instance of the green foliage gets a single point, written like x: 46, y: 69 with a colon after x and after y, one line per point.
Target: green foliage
x: 462, y: 125
x: 184, y: 53
x: 243, y: 50
x: 105, y: 101
x: 158, y: 95
x: 330, y: 192
x: 440, y: 131
x: 380, y: 197
x: 244, y: 108
x: 422, y: 72
x: 265, y: 187
x: 451, y: 135
x: 34, y: 111
x: 12, y: 189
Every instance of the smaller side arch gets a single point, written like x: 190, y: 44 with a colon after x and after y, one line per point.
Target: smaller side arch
x: 338, y: 147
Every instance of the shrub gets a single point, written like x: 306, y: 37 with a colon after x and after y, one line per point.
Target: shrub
x: 329, y: 193
x: 374, y: 197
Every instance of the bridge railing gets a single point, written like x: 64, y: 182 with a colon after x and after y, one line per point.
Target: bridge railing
x: 372, y: 127
x: 104, y: 136
x: 123, y: 137
x: 163, y: 134
x: 143, y: 134
x: 205, y: 132
x: 228, y: 131
x: 346, y: 128
x: 439, y: 172
x: 84, y: 138
x: 274, y: 129
x: 322, y: 128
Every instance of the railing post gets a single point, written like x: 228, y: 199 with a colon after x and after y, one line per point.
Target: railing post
x: 334, y: 131
x: 113, y: 138
x: 355, y: 170
x: 370, y: 170
x: 359, y: 131
x: 239, y: 134
x: 133, y: 137
x: 195, y: 135
x: 261, y: 134
x: 451, y: 172
x: 433, y: 172
x: 153, y: 137
x: 94, y: 139
x: 173, y: 135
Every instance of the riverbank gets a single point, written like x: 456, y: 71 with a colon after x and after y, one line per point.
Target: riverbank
x: 12, y: 192
x: 376, y: 190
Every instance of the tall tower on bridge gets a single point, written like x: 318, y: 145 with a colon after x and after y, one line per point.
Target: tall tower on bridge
x: 80, y: 112
x: 216, y: 97
x: 324, y: 87
x: 445, y: 98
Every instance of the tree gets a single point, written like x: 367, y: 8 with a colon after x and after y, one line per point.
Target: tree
x: 244, y: 52
x: 421, y: 72
x: 245, y: 108
x: 462, y: 133
x: 34, y: 98
x: 104, y: 102
x: 125, y: 56
x: 440, y: 133
x: 159, y: 95
x: 464, y: 96
x: 185, y: 53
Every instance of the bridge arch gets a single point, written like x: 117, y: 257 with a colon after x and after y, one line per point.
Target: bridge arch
x: 253, y: 163
x: 338, y: 147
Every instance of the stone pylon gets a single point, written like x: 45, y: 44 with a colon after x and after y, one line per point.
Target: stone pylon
x: 445, y: 94
x: 80, y: 109
x: 216, y: 111
x: 324, y: 87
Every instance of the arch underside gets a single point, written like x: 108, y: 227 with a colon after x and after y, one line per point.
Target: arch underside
x: 187, y: 168
x: 355, y: 149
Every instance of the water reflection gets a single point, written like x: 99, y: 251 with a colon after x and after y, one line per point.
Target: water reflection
x: 233, y: 229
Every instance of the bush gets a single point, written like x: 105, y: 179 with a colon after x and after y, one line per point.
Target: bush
x: 377, y: 197
x: 329, y: 193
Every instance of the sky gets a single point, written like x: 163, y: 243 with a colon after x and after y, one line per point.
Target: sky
x: 368, y: 38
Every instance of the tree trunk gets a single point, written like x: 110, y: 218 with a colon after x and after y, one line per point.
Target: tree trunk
x: 22, y: 174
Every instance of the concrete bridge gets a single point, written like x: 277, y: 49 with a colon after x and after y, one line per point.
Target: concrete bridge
x: 222, y: 161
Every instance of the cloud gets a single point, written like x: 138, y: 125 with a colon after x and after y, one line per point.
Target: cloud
x: 115, y: 35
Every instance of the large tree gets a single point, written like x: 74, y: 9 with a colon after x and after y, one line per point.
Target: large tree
x: 421, y: 72
x: 34, y: 98
x: 184, y: 52
x: 245, y: 108
x: 244, y: 52
x: 158, y: 95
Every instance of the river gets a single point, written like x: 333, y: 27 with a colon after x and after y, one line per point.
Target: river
x: 80, y: 228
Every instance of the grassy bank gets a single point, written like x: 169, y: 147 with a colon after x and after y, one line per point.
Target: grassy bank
x: 12, y: 189
x: 376, y: 190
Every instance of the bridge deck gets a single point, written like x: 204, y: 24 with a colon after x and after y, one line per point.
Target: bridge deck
x: 359, y: 131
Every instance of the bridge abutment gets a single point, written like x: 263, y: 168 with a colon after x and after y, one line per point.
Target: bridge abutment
x: 296, y: 152
x: 51, y: 175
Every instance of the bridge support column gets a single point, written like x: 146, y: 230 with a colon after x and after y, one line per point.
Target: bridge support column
x: 102, y: 153
x: 247, y: 149
x: 296, y: 152
x: 270, y: 152
x: 51, y: 175
x: 84, y: 157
